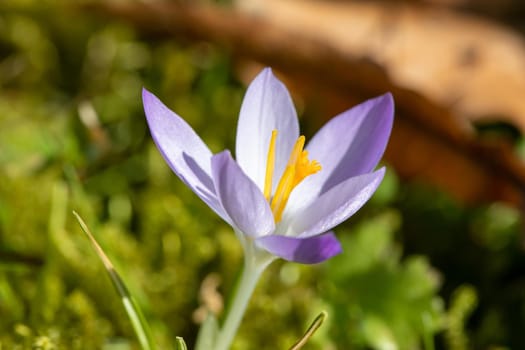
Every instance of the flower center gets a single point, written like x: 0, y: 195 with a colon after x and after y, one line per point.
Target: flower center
x: 297, y: 169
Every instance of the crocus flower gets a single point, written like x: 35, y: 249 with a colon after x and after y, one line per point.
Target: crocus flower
x: 281, y: 197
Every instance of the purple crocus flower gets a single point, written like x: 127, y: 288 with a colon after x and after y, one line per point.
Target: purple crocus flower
x: 280, y: 197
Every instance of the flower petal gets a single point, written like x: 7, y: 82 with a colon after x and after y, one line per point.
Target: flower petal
x: 267, y: 106
x: 240, y: 197
x: 183, y: 150
x: 350, y: 144
x: 310, y: 250
x: 335, y: 206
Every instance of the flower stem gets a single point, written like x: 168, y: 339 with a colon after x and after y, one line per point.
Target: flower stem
x: 245, y: 287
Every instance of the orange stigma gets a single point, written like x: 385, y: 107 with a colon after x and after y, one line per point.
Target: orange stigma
x: 298, y: 168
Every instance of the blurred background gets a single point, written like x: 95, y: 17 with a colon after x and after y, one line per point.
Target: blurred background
x: 434, y: 261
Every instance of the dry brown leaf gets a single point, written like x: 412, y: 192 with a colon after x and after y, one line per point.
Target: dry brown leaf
x: 473, y: 66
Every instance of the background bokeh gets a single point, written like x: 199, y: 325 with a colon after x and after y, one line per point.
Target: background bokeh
x: 434, y: 261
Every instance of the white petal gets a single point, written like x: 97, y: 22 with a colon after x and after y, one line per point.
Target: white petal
x: 350, y: 144
x: 335, y: 205
x: 240, y: 197
x: 267, y: 106
x: 184, y: 151
x: 308, y: 250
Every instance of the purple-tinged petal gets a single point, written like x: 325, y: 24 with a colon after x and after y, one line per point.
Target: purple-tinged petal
x: 336, y: 205
x: 310, y: 250
x: 350, y: 144
x: 240, y: 197
x: 183, y: 150
x: 267, y: 106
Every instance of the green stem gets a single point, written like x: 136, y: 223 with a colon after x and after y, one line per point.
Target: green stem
x: 250, y: 275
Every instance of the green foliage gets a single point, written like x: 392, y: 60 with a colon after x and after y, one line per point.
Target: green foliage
x: 463, y: 303
x: 377, y: 299
x: 73, y: 136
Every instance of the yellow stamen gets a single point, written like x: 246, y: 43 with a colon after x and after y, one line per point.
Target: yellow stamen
x: 270, y: 165
x: 284, y: 188
x: 305, y: 167
x: 297, y: 169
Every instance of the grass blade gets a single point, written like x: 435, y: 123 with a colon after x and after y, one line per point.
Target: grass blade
x: 207, y: 334
x: 180, y: 344
x: 135, y: 315
x: 310, y: 331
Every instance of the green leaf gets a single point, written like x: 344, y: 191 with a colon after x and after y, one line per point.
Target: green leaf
x: 207, y: 333
x: 369, y: 290
x: 378, y: 334
x: 140, y: 326
x: 180, y: 344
